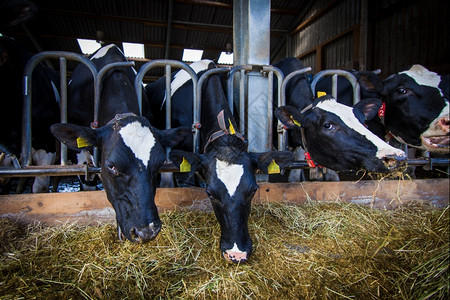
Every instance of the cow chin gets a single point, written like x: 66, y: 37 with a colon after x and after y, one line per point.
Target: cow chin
x: 436, y: 144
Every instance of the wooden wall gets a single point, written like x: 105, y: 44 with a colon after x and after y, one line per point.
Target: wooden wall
x: 372, y: 34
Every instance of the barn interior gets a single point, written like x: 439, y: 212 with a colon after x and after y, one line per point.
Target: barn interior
x: 385, y: 238
x: 327, y: 34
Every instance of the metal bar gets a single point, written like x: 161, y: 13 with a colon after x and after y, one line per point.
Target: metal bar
x: 67, y: 170
x: 63, y: 102
x: 242, y: 101
x: 334, y: 86
x: 269, y: 107
x: 168, y: 73
x: 281, y: 131
x: 174, y: 64
x: 230, y: 83
x: 71, y: 170
x: 333, y: 72
x: 27, y: 93
x: 282, y: 100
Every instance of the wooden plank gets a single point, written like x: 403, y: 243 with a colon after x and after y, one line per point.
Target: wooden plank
x: 94, y: 207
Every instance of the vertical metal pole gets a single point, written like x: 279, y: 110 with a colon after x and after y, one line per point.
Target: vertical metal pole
x: 26, y: 121
x: 270, y: 107
x: 334, y: 86
x: 242, y: 102
x: 168, y: 71
x: 251, y: 35
x: 63, y: 103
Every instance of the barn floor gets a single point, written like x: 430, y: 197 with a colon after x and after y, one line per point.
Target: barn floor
x: 317, y: 250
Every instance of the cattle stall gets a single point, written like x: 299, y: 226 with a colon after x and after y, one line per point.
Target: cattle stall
x: 368, y: 237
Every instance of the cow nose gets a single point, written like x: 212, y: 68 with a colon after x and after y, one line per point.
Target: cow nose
x: 444, y: 123
x: 235, y: 256
x: 145, y: 234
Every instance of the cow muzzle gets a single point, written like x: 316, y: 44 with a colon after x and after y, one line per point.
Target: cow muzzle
x: 235, y: 255
x: 438, y: 140
x: 394, y: 161
x: 142, y: 235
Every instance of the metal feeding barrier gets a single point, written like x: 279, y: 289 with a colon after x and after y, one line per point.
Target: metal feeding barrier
x: 26, y: 170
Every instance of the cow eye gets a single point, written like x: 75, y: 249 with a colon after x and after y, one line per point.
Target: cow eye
x: 401, y: 91
x: 210, y: 196
x: 328, y: 126
x: 113, y: 170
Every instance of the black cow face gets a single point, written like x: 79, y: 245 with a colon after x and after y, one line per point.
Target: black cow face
x: 132, y: 153
x: 231, y: 185
x: 417, y: 111
x: 336, y: 137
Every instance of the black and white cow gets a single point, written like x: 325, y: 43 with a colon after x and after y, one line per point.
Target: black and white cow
x: 334, y: 133
x: 226, y: 165
x: 132, y: 150
x: 345, y: 94
x: 417, y: 108
x: 45, y: 106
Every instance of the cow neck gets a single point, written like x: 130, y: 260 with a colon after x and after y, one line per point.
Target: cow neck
x: 222, y: 131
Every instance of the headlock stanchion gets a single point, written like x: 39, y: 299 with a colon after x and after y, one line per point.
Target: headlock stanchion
x: 27, y: 105
x: 281, y: 101
x: 168, y: 64
x: 335, y: 73
x: 230, y: 92
x: 69, y: 170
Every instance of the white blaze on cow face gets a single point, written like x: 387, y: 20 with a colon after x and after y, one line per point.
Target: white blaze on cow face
x: 345, y: 113
x: 423, y: 76
x: 229, y: 174
x: 139, y: 139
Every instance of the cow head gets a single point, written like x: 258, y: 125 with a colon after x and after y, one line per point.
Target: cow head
x: 417, y: 108
x: 229, y: 173
x: 132, y: 153
x: 16, y: 12
x: 336, y: 137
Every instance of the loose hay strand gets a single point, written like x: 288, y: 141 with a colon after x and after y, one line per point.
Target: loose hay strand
x: 312, y: 251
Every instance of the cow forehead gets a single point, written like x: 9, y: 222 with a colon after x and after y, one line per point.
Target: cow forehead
x: 139, y: 139
x: 423, y: 76
x: 345, y: 113
x: 229, y: 174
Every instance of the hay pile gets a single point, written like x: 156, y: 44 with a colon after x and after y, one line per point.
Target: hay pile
x: 313, y: 251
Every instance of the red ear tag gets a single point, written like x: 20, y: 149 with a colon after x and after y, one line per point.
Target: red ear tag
x: 309, y: 160
x: 382, y: 110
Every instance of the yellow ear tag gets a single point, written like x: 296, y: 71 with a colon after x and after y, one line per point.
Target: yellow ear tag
x: 320, y: 94
x: 273, y: 168
x: 82, y: 142
x: 185, y: 166
x: 296, y: 122
x: 231, y: 128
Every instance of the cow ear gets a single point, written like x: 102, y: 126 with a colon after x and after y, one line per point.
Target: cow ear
x: 273, y: 161
x: 172, y: 137
x: 184, y: 160
x: 74, y: 136
x: 289, y: 116
x: 370, y: 81
x: 369, y: 107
